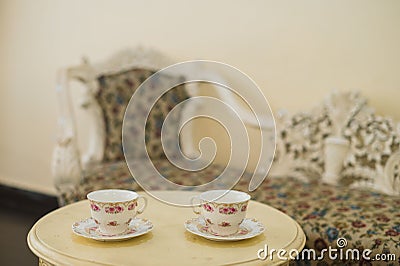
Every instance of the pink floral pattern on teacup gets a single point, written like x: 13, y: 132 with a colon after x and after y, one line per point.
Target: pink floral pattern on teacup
x: 224, y: 224
x: 208, y: 207
x: 132, y: 206
x: 228, y: 210
x: 94, y: 207
x: 113, y: 223
x: 114, y: 209
x: 244, y: 208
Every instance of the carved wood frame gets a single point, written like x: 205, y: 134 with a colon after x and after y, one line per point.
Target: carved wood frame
x: 301, y: 145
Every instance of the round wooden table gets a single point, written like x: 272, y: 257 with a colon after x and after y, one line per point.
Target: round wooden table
x: 53, y: 241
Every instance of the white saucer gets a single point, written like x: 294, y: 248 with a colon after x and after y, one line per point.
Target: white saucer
x: 89, y: 229
x: 248, y: 229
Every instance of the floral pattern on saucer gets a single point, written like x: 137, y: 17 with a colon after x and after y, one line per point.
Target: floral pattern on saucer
x: 248, y: 229
x: 89, y: 229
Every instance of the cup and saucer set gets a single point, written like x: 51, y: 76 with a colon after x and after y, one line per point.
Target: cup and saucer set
x: 113, y: 216
x: 221, y: 216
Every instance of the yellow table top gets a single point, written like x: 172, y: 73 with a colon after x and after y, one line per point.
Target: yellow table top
x: 52, y: 239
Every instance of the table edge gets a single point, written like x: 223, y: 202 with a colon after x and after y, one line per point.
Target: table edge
x: 46, y: 253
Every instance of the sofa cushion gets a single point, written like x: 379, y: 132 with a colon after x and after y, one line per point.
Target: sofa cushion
x: 367, y: 220
x: 117, y: 175
x: 113, y: 95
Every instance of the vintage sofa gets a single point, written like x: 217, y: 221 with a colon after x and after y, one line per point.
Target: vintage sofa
x: 335, y: 171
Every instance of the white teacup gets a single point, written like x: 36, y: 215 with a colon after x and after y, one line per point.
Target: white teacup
x: 222, y: 210
x: 113, y: 209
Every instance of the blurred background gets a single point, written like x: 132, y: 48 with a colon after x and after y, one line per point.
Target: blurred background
x: 296, y: 51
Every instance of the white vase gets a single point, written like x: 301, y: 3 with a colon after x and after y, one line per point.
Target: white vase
x: 336, y: 149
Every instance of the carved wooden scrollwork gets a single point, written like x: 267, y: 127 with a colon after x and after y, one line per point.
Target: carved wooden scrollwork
x: 374, y: 155
x: 299, y: 145
x: 370, y: 160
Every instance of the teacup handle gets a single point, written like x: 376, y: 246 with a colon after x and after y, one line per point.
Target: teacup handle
x: 194, y: 206
x: 140, y: 211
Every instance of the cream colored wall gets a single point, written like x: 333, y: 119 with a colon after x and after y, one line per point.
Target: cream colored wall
x: 296, y: 51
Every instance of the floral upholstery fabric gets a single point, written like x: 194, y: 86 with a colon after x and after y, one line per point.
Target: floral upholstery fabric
x: 117, y: 175
x: 113, y: 95
x: 366, y: 219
